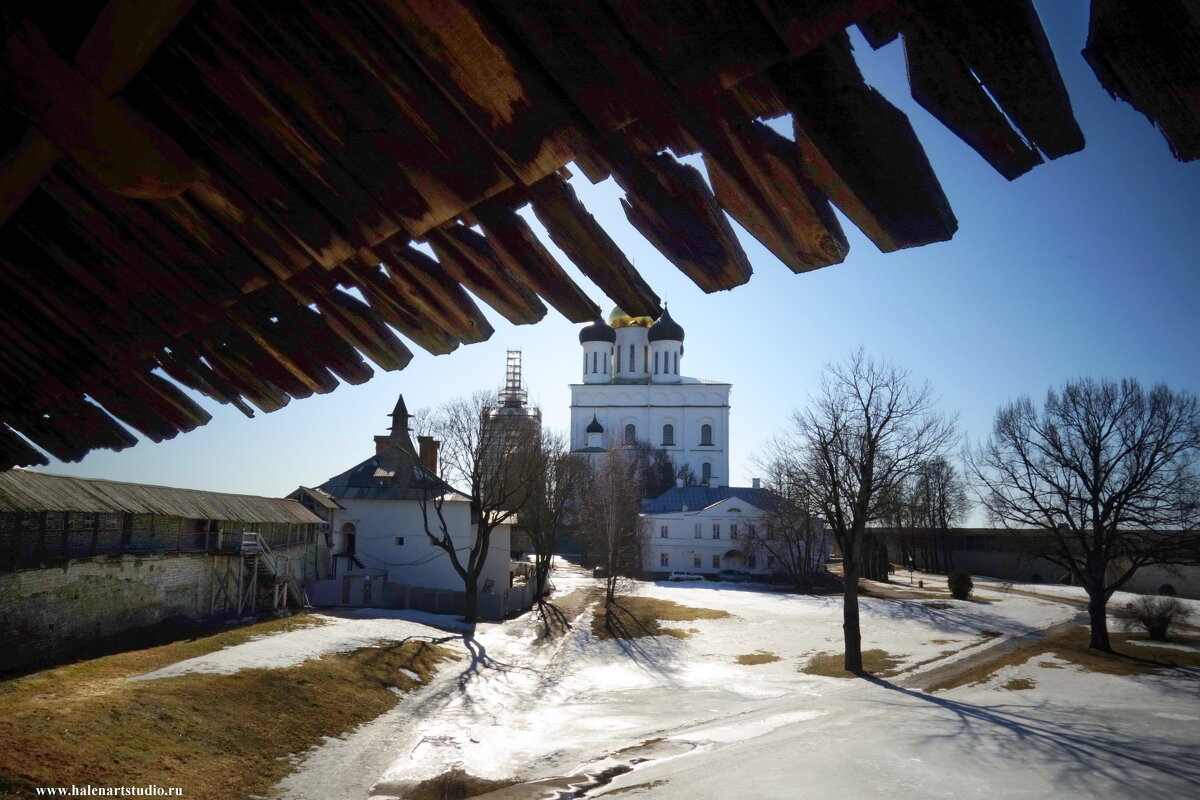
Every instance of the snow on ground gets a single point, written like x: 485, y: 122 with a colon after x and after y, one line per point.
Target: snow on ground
x: 689, y: 721
x: 336, y: 635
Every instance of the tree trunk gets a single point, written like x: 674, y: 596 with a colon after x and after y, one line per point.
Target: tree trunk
x: 1098, y: 616
x: 850, y: 626
x: 471, y: 612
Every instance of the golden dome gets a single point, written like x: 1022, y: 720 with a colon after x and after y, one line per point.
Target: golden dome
x: 619, y: 319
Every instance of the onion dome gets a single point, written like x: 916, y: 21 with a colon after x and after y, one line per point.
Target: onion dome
x: 597, y: 331
x: 666, y: 329
x: 594, y: 426
x: 619, y: 319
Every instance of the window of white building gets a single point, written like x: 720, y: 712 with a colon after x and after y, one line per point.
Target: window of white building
x: 697, y: 530
x: 716, y: 530
x: 630, y: 434
x: 662, y: 559
x: 716, y: 561
x: 706, y: 434
x: 668, y: 435
x: 696, y: 562
x: 662, y: 532
x: 733, y: 530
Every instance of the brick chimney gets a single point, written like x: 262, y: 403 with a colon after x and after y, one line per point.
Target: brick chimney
x: 429, y: 452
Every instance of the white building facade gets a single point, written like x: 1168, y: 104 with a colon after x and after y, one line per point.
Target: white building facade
x: 706, y: 530
x: 632, y: 390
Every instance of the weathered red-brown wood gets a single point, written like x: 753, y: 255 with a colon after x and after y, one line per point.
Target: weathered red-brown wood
x: 945, y: 87
x: 1003, y: 43
x: 520, y: 251
x: 803, y: 26
x: 494, y: 84
x: 236, y: 369
x: 197, y: 375
x: 576, y: 233
x: 861, y: 151
x: 1148, y: 54
x: 355, y: 323
x: 434, y: 293
x: 124, y: 150
x: 671, y: 205
x: 773, y: 200
x: 394, y: 307
x: 469, y: 259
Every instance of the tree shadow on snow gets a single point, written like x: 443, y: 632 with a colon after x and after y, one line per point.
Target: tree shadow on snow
x: 1089, y: 753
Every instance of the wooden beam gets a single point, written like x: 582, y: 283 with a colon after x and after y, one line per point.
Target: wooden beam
x: 861, y: 151
x: 575, y: 231
x: 468, y: 258
x: 772, y: 199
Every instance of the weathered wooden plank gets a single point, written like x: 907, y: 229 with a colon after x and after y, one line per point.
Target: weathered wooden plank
x: 702, y: 48
x: 241, y: 361
x: 469, y: 259
x: 775, y: 202
x: 394, y: 306
x: 1003, y: 43
x: 803, y: 26
x: 495, y: 86
x: 15, y: 452
x: 147, y: 403
x: 357, y: 324
x: 1148, y: 54
x: 670, y: 204
x: 575, y: 231
x: 195, y: 374
x: 515, y: 244
x: 945, y: 87
x: 121, y: 148
x: 861, y: 151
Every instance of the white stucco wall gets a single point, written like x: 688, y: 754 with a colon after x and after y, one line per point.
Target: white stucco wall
x: 648, y: 407
x: 418, y: 562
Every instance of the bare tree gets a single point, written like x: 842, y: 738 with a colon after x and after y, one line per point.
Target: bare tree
x: 867, y: 431
x: 790, y: 532
x: 610, y: 505
x: 488, y: 460
x: 555, y: 475
x: 1106, y: 472
x: 922, y: 511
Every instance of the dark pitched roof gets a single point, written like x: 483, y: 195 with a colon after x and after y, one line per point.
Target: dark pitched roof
x: 695, y: 498
x: 391, y: 474
x: 24, y: 490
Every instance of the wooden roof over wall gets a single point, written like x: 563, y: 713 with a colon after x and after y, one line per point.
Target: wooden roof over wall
x: 188, y: 188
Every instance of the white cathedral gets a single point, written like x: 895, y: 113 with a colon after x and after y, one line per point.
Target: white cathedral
x: 633, y: 390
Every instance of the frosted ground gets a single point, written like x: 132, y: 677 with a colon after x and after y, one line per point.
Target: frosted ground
x: 680, y: 718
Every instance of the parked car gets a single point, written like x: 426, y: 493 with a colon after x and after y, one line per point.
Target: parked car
x: 680, y: 575
x: 734, y: 576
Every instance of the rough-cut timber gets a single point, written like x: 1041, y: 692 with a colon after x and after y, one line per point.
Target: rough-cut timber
x: 222, y: 197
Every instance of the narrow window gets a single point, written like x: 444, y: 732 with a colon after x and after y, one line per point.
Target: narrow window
x: 632, y: 361
x: 751, y: 530
x: 595, y: 355
x: 618, y: 367
x: 662, y: 559
x: 656, y: 362
x: 716, y: 561
x: 770, y: 561
x: 676, y: 362
x: 752, y: 561
x: 705, y: 473
x: 630, y: 434
x: 696, y: 562
x: 716, y: 530
x: 662, y: 532
x: 645, y: 358
x: 697, y: 531
x: 668, y: 435
x: 733, y: 530
x: 706, y: 435
x: 585, y: 363
x: 399, y: 541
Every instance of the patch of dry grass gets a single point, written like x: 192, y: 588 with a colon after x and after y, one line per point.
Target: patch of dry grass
x: 877, y: 662
x: 1073, y: 647
x: 634, y: 617
x: 215, y: 736
x: 759, y: 657
x: 1019, y: 684
x: 454, y: 785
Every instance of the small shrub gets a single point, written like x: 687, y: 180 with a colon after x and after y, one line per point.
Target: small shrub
x: 960, y: 584
x: 1154, y: 615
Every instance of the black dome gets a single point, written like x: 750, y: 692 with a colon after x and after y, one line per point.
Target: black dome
x: 666, y: 329
x: 594, y: 426
x: 597, y: 331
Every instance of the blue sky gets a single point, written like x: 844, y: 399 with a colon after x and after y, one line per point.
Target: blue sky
x: 1085, y: 266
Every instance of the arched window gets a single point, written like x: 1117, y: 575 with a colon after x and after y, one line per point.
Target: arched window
x: 656, y: 362
x: 668, y: 435
x: 706, y: 434
x: 632, y: 359
x: 705, y: 473
x: 618, y: 360
x: 630, y: 434
x: 595, y: 355
x: 676, y: 362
